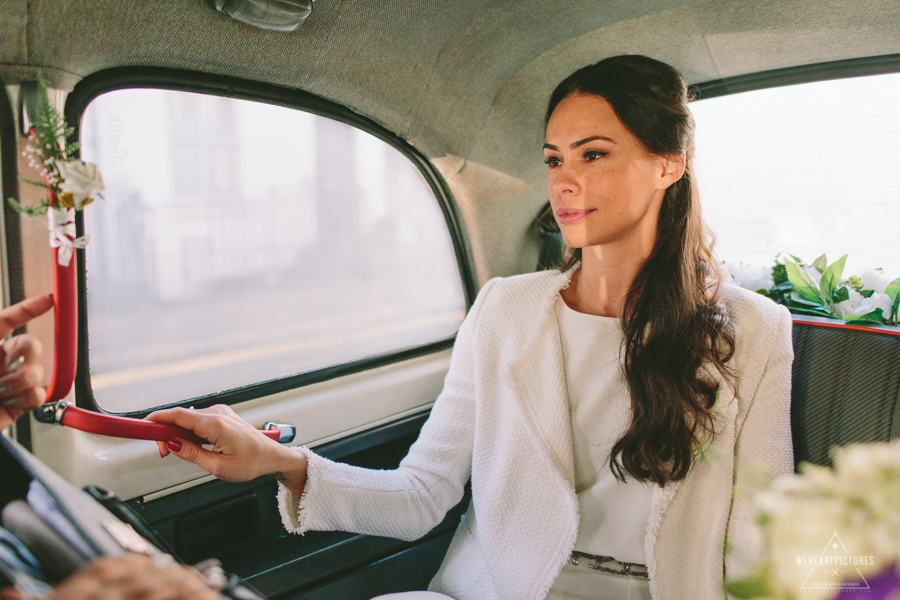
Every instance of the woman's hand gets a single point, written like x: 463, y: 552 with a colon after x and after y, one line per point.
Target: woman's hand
x: 134, y: 577
x: 240, y: 452
x: 20, y: 373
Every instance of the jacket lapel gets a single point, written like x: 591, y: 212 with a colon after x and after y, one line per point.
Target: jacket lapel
x: 539, y: 371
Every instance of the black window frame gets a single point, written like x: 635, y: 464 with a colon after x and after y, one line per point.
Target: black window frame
x: 824, y: 71
x: 121, y: 78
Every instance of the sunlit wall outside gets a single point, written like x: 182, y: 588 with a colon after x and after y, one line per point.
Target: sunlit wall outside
x: 806, y: 170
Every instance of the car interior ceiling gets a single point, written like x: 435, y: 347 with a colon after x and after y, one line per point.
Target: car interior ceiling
x: 465, y: 83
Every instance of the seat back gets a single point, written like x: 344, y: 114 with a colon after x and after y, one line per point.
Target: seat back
x: 845, y: 386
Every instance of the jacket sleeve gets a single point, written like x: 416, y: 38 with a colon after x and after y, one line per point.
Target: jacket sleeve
x: 409, y: 501
x: 764, y: 448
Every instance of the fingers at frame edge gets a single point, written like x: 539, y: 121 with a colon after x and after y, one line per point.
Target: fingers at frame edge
x: 13, y: 317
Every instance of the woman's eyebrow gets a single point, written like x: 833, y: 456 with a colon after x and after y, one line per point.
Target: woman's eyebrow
x: 580, y: 143
x: 591, y: 139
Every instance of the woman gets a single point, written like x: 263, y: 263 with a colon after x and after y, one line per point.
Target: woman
x: 605, y: 413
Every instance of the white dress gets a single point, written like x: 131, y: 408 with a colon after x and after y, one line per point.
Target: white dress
x: 613, y: 515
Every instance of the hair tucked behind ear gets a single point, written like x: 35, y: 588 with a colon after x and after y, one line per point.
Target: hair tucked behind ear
x: 674, y: 322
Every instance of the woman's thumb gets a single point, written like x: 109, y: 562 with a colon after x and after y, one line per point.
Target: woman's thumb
x: 186, y: 450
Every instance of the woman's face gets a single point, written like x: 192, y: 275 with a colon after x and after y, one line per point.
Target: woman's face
x: 604, y: 186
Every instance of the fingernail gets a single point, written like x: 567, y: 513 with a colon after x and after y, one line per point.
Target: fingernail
x: 161, y: 455
x: 12, y: 402
x: 14, y: 363
x: 174, y: 445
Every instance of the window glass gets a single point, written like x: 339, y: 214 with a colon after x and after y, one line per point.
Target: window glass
x: 241, y: 242
x: 805, y: 169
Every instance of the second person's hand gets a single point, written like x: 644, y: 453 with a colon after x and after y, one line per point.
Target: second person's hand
x: 240, y: 452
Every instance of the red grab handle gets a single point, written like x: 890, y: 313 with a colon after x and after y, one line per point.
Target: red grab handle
x: 65, y: 329
x: 135, y: 429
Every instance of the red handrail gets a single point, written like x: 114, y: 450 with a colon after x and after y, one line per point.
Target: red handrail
x: 65, y: 329
x: 135, y: 429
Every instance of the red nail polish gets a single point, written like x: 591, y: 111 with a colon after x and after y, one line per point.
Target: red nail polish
x: 174, y: 445
x: 161, y: 455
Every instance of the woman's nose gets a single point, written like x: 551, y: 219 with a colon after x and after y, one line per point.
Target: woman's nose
x: 565, y: 180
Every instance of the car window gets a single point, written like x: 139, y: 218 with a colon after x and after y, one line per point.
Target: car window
x: 804, y: 169
x: 240, y: 242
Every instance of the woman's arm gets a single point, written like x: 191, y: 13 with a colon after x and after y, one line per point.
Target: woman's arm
x: 324, y: 495
x: 407, y: 502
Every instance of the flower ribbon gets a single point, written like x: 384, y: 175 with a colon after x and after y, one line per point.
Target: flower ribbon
x: 62, y: 234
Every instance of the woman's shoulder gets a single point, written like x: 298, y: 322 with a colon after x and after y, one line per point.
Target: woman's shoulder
x: 758, y: 321
x: 751, y: 309
x: 525, y: 289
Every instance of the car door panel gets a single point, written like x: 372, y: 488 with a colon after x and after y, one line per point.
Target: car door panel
x: 322, y: 413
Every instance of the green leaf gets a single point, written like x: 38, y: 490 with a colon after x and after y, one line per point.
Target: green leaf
x: 876, y: 316
x: 802, y: 282
x: 799, y: 261
x: 798, y: 305
x: 841, y: 294
x: 799, y: 300
x: 820, y: 263
x: 28, y: 209
x: 831, y: 276
x: 779, y: 274
x: 866, y: 293
x: 33, y: 182
x: 893, y: 290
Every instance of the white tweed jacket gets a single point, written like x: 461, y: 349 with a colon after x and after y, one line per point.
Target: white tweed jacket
x: 502, y: 420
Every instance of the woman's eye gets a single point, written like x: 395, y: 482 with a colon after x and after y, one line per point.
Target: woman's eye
x: 594, y: 154
x: 552, y: 161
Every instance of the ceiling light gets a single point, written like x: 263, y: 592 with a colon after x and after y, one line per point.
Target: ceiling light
x: 277, y: 15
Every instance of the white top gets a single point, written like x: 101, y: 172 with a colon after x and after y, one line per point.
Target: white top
x: 613, y: 515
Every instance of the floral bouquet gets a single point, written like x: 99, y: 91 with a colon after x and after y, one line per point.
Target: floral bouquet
x: 819, y: 289
x: 831, y: 534
x: 70, y: 183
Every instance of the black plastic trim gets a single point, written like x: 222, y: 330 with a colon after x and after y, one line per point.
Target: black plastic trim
x: 838, y: 69
x: 190, y: 81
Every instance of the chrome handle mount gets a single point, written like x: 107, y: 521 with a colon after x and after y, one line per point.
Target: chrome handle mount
x: 287, y: 432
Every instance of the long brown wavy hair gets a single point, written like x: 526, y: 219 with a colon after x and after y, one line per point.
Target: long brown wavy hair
x: 675, y: 325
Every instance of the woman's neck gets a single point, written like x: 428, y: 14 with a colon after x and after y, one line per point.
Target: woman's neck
x: 601, y: 284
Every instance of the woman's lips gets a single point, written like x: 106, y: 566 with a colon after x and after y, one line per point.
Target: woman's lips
x: 566, y: 216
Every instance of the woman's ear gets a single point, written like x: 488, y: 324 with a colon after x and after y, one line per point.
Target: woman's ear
x: 672, y: 169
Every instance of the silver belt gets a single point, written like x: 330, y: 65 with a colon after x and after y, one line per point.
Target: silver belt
x: 608, y: 564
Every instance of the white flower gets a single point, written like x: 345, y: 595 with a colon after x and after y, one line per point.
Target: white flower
x: 850, y: 304
x: 80, y: 179
x: 750, y: 278
x: 875, y: 280
x: 867, y: 305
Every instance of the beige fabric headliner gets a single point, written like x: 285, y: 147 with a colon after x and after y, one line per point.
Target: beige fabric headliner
x: 464, y: 80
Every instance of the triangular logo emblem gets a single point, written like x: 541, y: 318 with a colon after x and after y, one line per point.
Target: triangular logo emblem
x: 828, y: 575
